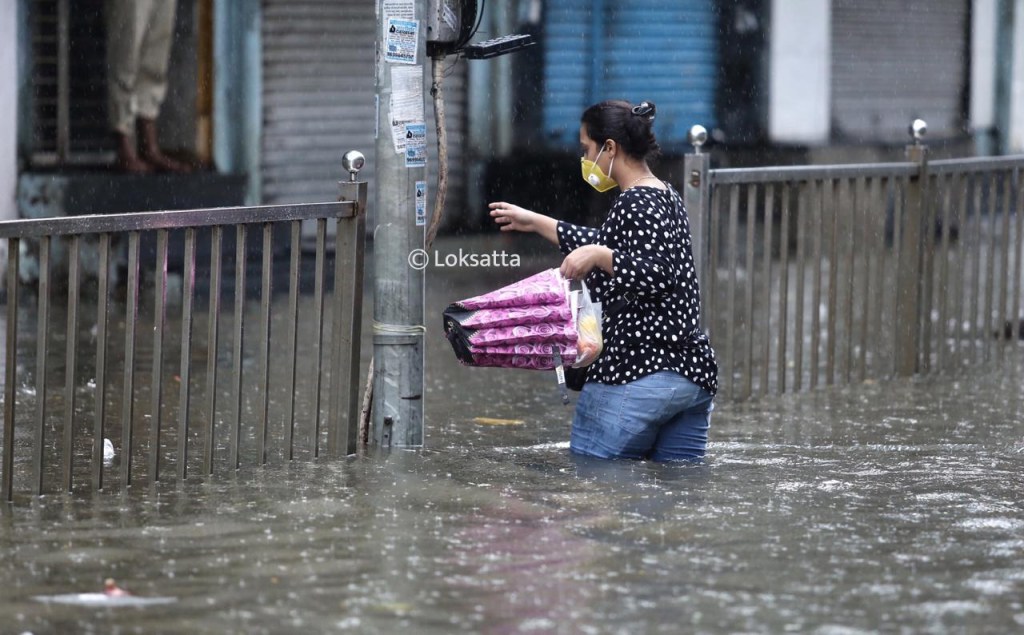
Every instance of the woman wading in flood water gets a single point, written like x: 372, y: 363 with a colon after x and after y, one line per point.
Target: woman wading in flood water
x: 651, y: 392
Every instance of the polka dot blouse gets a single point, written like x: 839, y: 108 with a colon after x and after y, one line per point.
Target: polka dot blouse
x: 652, y: 264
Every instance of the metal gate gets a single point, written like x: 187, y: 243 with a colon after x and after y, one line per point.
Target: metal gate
x: 822, y: 275
x: 173, y: 406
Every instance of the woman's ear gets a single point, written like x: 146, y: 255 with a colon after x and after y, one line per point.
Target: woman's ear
x: 610, y: 147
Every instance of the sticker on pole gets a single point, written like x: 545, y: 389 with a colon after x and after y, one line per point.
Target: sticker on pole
x: 400, y: 41
x: 415, y: 145
x: 421, y: 203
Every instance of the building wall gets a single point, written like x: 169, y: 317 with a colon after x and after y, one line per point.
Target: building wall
x: 800, y: 71
x: 1015, y: 140
x: 318, y: 102
x: 8, y: 108
x: 983, y: 73
x: 894, y: 61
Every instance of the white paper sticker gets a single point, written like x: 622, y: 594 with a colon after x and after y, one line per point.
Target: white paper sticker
x: 399, y: 9
x: 400, y: 41
x: 421, y: 203
x: 415, y: 145
x: 406, y: 102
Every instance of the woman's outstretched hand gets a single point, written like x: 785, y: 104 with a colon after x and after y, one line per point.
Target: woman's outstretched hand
x: 514, y: 218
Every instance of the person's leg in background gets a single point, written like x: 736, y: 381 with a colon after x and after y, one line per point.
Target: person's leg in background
x: 125, y: 28
x: 151, y: 81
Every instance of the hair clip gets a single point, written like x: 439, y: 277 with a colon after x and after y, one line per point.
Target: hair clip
x: 643, y: 109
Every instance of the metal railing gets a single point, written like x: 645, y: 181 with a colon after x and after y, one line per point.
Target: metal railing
x: 822, y: 275
x: 234, y: 414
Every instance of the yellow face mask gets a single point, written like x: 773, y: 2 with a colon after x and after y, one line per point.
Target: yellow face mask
x: 593, y: 174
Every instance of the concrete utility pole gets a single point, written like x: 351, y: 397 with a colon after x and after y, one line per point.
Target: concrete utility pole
x: 398, y: 287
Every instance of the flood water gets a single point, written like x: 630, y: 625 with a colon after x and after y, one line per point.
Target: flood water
x: 893, y: 506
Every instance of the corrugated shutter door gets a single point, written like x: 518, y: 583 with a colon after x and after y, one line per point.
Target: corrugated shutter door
x: 318, y: 88
x: 662, y: 50
x: 896, y: 60
x: 318, y: 100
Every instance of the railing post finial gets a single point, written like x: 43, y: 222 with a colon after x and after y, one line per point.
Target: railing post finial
x: 352, y: 162
x: 918, y: 129
x: 696, y: 137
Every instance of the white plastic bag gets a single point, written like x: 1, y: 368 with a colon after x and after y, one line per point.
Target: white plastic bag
x: 589, y: 342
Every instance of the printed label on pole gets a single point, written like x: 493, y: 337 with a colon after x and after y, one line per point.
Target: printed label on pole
x: 400, y: 41
x: 421, y: 203
x: 415, y: 145
x: 406, y: 102
x: 399, y: 9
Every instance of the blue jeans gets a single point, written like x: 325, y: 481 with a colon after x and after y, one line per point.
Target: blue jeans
x: 662, y: 417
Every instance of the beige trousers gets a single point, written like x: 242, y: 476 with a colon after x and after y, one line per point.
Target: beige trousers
x: 139, y: 37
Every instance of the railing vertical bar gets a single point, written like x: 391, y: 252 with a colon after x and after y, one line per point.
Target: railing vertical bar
x: 10, y: 367
x: 318, y: 328
x: 102, y: 303
x: 881, y: 260
x: 944, y: 185
x: 824, y: 192
x: 766, y: 290
x: 1004, y: 265
x: 781, y: 357
x: 868, y: 255
x: 213, y: 340
x: 41, y: 355
x: 730, y: 329
x: 992, y: 236
x: 975, y: 269
x: 239, y: 323
x: 157, y: 387
x: 960, y: 303
x: 128, y: 395
x: 349, y: 289
x: 798, y: 316
x: 714, y: 249
x: 856, y: 220
x: 185, y: 369
x: 838, y: 204
x: 336, y: 407
x: 748, y: 310
x: 927, y: 233
x: 898, y: 189
x: 265, y: 299
x: 293, y: 337
x: 71, y: 361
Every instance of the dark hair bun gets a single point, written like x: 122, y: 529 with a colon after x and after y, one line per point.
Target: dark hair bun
x: 631, y: 126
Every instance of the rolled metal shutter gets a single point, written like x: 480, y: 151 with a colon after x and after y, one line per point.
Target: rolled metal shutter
x: 318, y: 101
x: 662, y: 50
x: 894, y: 61
x: 318, y: 90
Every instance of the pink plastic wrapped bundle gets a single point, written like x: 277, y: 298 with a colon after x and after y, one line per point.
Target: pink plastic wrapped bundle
x: 522, y: 325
